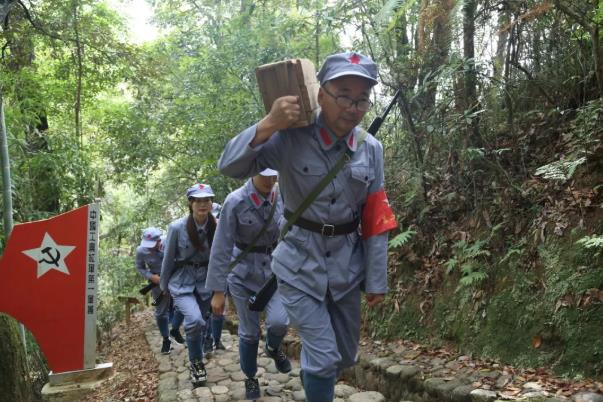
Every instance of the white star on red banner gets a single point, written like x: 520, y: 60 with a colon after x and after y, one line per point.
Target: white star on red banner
x: 50, y: 256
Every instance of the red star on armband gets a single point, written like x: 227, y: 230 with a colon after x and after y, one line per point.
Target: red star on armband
x: 377, y: 215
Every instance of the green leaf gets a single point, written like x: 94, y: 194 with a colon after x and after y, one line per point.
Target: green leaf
x: 451, y: 264
x: 473, y: 279
x: 594, y: 241
x: 559, y: 170
x: 401, y: 238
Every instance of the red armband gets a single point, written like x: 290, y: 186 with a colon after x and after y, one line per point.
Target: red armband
x: 377, y: 216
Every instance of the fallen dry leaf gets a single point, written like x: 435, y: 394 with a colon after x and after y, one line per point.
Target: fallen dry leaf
x: 536, y: 342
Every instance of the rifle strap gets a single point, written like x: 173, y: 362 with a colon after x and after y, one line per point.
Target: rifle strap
x: 258, y: 301
x: 251, y: 245
x: 321, y: 185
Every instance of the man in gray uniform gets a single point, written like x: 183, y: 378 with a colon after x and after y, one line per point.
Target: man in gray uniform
x: 213, y: 337
x: 244, y: 214
x: 148, y: 263
x: 323, y: 261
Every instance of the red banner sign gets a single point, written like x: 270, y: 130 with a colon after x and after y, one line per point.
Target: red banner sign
x: 48, y: 282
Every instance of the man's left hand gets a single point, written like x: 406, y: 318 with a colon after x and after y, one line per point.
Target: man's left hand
x: 372, y: 299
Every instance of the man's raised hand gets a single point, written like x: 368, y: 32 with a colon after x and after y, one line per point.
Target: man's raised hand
x: 284, y: 112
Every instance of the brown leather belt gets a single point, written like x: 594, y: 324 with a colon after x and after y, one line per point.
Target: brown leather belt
x: 325, y: 229
x: 196, y: 265
x: 257, y: 249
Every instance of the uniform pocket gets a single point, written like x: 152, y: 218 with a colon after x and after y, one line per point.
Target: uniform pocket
x: 291, y: 258
x: 289, y: 295
x: 248, y: 224
x: 310, y: 168
x: 308, y: 174
x: 184, y: 277
x: 185, y: 246
x: 241, y: 270
x: 361, y: 177
x: 290, y: 252
x: 362, y: 173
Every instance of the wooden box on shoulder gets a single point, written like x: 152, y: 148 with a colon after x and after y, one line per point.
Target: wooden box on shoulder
x: 295, y: 77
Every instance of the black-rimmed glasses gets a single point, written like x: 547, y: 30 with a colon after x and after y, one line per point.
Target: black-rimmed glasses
x: 345, y: 102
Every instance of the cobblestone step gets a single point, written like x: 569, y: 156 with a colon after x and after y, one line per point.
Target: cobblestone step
x: 225, y: 381
x: 397, y: 377
x: 402, y: 376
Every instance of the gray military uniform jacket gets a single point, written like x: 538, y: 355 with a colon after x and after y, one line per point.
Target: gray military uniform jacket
x: 179, y: 248
x: 304, y: 259
x: 242, y: 217
x: 148, y: 261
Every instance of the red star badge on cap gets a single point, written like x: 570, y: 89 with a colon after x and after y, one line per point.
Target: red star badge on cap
x: 354, y: 59
x: 201, y: 186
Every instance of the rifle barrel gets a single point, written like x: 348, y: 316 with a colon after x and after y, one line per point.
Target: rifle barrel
x: 391, y: 104
x: 376, y: 124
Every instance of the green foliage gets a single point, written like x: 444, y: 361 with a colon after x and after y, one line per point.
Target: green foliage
x: 569, y: 275
x: 559, y: 170
x: 588, y: 128
x: 472, y: 276
x: 155, y: 119
x: 401, y: 238
x: 53, y: 170
x: 598, y: 18
x: 470, y: 259
x: 117, y: 277
x: 593, y: 243
x: 475, y: 153
x: 393, y: 10
x: 513, y: 252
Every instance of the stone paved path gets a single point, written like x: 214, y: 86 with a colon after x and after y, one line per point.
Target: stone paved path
x: 225, y: 380
x: 400, y: 371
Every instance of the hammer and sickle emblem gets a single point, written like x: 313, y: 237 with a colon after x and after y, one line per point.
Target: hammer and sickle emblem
x: 53, y: 259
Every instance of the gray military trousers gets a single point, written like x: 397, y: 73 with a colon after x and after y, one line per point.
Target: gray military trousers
x: 249, y: 321
x: 329, y: 330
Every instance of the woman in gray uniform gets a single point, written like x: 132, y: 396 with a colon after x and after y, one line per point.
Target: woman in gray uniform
x: 244, y: 214
x: 184, y: 270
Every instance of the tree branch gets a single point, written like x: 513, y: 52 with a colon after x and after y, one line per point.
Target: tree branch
x: 533, y: 81
x: 579, y: 18
x: 51, y: 35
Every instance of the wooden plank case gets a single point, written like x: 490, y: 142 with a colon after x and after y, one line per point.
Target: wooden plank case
x: 295, y: 77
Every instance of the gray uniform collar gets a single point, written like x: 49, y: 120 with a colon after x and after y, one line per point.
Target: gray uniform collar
x: 203, y: 226
x: 327, y: 139
x: 255, y: 198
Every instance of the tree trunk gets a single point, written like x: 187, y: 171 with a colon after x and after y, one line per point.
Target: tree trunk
x: 14, y: 385
x: 598, y: 57
x: 6, y: 180
x: 507, y: 74
x: 593, y: 28
x: 434, y: 44
x: 14, y: 380
x: 473, y: 138
x: 78, y: 88
x: 503, y: 34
